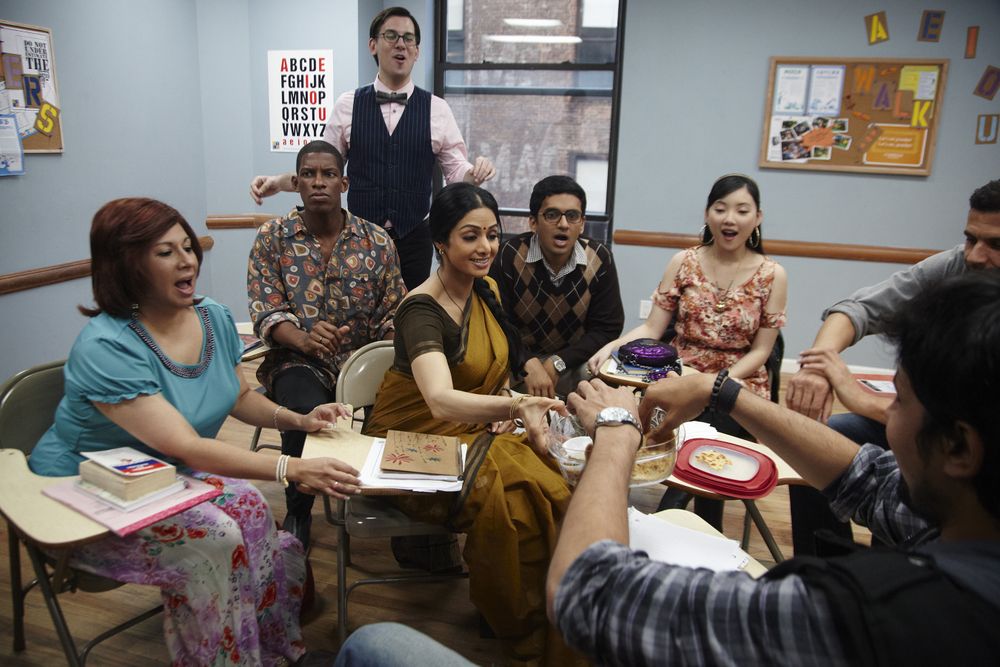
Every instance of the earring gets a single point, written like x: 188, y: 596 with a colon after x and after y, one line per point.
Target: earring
x: 706, y: 235
x: 754, y: 239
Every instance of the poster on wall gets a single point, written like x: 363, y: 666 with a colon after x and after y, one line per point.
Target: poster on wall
x: 28, y: 89
x: 853, y: 114
x: 11, y: 151
x: 300, y: 94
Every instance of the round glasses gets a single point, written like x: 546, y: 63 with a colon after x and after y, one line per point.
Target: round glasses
x: 392, y: 37
x: 552, y: 215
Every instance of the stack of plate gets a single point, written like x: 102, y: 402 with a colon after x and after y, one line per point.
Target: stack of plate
x: 726, y: 468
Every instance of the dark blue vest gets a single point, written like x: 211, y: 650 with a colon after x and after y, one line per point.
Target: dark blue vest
x: 390, y: 175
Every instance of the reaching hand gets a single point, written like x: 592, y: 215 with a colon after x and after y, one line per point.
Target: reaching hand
x: 681, y: 398
x: 592, y: 397
x: 532, y: 410
x: 324, y: 416
x: 595, y: 362
x: 830, y: 364
x: 264, y: 186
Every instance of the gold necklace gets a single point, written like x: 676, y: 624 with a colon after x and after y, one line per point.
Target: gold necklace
x: 726, y: 296
x: 461, y: 310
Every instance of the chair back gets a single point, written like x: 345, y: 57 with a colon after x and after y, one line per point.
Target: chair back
x: 28, y: 402
x: 362, y: 373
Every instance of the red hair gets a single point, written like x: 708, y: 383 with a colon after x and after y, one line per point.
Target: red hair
x: 122, y: 232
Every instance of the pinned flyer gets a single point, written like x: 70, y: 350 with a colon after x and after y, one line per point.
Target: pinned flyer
x: 11, y: 148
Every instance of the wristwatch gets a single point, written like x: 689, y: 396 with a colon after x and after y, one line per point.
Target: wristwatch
x: 615, y: 416
x: 558, y: 363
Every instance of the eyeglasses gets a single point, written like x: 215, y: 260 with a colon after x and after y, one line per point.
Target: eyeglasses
x: 552, y: 215
x: 392, y: 37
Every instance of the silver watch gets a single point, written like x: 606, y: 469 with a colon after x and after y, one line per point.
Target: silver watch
x: 558, y: 363
x: 615, y: 416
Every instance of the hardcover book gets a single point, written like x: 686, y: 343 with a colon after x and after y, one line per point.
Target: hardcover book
x: 126, y: 472
x: 422, y: 453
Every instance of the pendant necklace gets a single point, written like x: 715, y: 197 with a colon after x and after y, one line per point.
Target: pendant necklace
x: 726, y: 296
x: 461, y: 311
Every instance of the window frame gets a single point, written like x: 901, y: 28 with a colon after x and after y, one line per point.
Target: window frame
x: 441, y: 66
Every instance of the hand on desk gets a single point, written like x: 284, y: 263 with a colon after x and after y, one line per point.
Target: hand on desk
x: 326, y: 475
x: 595, y: 362
x: 323, y: 416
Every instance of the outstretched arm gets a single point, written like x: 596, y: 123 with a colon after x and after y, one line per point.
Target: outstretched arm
x: 815, y: 451
x: 265, y: 186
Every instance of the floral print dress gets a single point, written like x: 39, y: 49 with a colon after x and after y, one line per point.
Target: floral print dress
x: 710, y: 338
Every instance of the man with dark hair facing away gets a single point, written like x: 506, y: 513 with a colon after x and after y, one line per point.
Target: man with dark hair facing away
x: 321, y: 283
x: 933, y: 599
x: 391, y: 133
x: 559, y: 289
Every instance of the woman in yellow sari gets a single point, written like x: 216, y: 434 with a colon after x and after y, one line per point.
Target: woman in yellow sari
x: 454, y: 354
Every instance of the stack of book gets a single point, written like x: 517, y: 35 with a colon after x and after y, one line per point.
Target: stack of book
x: 127, y: 490
x: 127, y: 478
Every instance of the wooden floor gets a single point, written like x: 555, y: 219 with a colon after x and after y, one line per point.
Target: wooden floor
x: 441, y: 610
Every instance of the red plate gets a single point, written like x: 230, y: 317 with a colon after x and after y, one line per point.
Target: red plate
x: 740, y: 482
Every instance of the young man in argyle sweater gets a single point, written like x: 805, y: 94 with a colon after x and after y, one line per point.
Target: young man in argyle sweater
x: 559, y: 290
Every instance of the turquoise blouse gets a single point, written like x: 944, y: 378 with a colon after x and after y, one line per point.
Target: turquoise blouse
x: 114, y: 360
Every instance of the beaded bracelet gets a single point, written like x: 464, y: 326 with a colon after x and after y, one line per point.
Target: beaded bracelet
x: 274, y: 417
x: 719, y: 379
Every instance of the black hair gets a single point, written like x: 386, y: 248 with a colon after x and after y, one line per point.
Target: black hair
x: 450, y: 205
x: 376, y: 25
x: 948, y: 340
x: 319, y: 146
x: 555, y: 185
x: 987, y: 198
x: 722, y: 188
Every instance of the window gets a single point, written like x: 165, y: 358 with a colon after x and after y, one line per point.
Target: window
x: 536, y: 89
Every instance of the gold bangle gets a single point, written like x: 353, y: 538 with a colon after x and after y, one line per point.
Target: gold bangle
x: 513, y: 405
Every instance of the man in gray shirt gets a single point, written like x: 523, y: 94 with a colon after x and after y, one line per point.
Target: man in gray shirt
x: 866, y: 312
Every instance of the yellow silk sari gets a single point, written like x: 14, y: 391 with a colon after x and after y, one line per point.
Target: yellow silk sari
x: 512, y: 514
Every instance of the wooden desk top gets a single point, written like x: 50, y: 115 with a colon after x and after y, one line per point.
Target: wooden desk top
x: 246, y: 328
x: 349, y: 446
x: 694, y: 522
x: 42, y: 519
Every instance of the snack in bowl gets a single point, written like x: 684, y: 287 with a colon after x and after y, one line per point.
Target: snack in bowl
x: 569, y: 444
x: 713, y: 459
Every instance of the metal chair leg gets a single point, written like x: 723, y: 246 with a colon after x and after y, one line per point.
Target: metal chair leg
x: 69, y: 648
x: 343, y: 551
x: 16, y: 591
x: 745, y: 540
x: 764, y: 531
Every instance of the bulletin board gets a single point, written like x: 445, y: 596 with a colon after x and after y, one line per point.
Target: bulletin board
x: 28, y: 88
x: 869, y: 115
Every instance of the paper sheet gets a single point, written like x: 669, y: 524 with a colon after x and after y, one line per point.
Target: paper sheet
x: 370, y: 475
x: 668, y: 543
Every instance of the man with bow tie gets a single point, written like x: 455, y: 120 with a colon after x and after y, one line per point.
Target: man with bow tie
x: 391, y: 133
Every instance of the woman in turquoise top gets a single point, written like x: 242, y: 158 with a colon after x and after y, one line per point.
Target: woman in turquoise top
x: 157, y: 368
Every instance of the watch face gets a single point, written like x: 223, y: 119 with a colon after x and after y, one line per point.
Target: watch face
x: 558, y: 364
x: 615, y: 415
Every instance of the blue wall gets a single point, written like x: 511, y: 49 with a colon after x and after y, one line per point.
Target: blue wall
x: 168, y: 98
x: 697, y: 73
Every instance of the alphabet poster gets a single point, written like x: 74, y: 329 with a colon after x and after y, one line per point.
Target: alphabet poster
x: 300, y: 95
x: 853, y: 114
x: 28, y: 89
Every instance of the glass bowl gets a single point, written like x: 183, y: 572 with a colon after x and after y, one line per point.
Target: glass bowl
x: 569, y: 445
